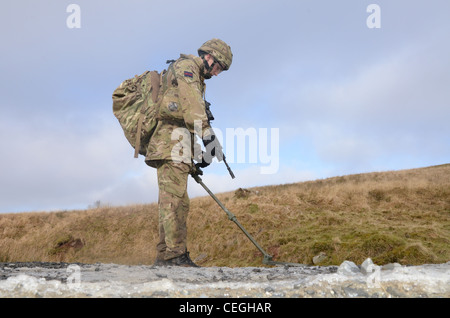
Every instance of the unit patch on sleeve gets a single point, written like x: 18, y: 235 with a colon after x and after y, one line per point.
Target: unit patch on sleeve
x: 188, y: 74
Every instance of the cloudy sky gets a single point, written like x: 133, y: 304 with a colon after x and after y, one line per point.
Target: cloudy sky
x: 323, y: 87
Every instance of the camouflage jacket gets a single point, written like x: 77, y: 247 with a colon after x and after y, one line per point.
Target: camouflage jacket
x: 182, y: 112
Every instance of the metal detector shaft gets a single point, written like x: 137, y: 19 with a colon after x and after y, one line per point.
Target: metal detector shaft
x: 228, y: 167
x: 267, y: 257
x: 231, y: 216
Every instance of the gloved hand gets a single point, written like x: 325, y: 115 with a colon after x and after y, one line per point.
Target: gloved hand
x: 202, y: 163
x: 195, y: 171
x: 213, y: 148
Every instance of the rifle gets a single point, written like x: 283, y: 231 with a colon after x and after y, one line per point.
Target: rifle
x: 210, y: 118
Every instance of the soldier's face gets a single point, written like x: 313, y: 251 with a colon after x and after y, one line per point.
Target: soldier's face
x: 217, y: 68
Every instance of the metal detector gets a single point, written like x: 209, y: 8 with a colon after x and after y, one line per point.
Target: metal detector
x: 267, y: 257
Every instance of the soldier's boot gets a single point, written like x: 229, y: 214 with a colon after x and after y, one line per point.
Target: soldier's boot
x: 183, y: 260
x: 160, y: 261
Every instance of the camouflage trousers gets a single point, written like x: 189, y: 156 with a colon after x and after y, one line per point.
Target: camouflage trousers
x: 173, y: 204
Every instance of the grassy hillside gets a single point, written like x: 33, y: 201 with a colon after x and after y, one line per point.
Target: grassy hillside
x: 396, y: 216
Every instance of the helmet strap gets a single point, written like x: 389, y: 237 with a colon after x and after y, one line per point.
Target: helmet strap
x: 208, y: 68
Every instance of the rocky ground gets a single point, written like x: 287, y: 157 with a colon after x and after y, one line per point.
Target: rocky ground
x: 111, y: 280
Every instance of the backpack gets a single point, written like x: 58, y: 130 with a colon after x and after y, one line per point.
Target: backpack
x: 135, y: 105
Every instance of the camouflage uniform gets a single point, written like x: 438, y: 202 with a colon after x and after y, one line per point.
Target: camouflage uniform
x: 182, y: 107
x: 173, y: 208
x: 171, y: 148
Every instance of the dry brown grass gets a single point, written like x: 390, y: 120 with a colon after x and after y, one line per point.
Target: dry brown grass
x: 121, y: 235
x: 396, y: 216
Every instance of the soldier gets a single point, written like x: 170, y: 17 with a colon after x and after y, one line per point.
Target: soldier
x: 182, y: 116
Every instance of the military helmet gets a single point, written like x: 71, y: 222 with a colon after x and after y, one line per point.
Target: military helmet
x: 219, y: 50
